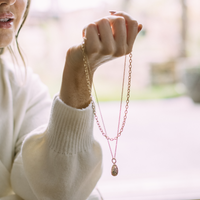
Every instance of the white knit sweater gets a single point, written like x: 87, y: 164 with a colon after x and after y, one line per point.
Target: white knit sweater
x: 42, y: 157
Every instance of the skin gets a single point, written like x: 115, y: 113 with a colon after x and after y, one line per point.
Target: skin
x: 17, y: 7
x: 117, y: 35
x: 107, y: 38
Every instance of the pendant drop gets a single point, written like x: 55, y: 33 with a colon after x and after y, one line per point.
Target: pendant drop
x: 114, y: 170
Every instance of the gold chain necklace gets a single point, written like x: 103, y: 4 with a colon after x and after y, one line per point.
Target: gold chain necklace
x: 114, y: 169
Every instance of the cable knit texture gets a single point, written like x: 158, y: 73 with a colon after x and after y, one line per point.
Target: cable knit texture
x: 47, y: 150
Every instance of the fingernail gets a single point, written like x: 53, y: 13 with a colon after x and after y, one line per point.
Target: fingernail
x: 140, y: 27
x: 112, y: 12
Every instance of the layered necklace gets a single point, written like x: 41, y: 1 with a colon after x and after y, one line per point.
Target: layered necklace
x: 114, y: 168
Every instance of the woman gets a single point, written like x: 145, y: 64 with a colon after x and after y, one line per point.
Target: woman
x: 52, y: 154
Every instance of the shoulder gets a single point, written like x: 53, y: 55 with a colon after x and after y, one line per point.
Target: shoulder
x: 20, y: 79
x: 23, y: 87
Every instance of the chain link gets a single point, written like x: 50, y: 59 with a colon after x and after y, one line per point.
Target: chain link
x: 87, y: 73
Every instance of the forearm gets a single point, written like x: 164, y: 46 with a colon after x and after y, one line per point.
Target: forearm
x: 74, y: 89
x: 106, y: 39
x: 64, y: 155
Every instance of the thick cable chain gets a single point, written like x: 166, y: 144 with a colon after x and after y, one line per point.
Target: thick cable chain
x: 87, y: 73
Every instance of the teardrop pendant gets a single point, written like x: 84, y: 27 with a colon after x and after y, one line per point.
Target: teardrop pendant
x: 114, y: 170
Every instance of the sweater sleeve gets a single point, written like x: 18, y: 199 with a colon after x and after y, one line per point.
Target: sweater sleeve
x: 59, y: 160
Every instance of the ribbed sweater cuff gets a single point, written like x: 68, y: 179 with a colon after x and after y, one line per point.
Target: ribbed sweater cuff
x: 70, y: 130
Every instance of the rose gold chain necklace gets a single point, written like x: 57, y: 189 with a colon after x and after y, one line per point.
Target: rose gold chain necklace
x: 114, y: 169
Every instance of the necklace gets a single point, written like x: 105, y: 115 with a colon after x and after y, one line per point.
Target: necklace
x: 114, y: 169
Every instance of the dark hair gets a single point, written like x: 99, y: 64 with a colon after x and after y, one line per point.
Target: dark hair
x: 16, y: 37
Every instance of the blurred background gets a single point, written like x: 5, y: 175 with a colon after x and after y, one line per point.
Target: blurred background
x: 158, y: 154
x: 169, y: 37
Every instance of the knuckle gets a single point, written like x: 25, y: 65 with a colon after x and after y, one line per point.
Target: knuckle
x: 119, y: 20
x: 129, y: 50
x: 91, y: 26
x: 134, y: 23
x: 120, y: 51
x: 94, y: 49
x: 103, y: 21
x: 108, y: 50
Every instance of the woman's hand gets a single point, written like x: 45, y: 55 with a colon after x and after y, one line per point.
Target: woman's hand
x: 108, y: 38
